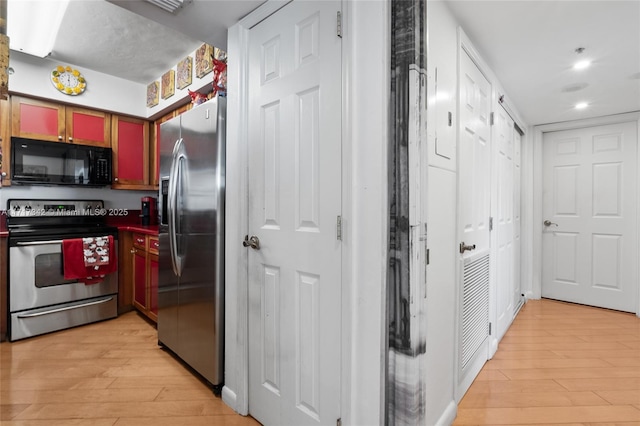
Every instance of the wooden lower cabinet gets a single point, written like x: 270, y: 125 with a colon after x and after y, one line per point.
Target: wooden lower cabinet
x: 145, y: 274
x: 4, y: 305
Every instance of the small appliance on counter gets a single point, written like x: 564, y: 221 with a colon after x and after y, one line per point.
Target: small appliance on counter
x: 149, y: 212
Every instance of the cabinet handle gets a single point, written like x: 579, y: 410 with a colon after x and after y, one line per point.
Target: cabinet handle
x: 115, y: 179
x: 59, y: 137
x: 133, y: 251
x: 70, y: 139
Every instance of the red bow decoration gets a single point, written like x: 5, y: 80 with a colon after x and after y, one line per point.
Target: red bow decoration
x: 219, y: 67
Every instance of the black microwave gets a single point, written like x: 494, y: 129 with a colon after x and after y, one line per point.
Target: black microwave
x: 37, y: 162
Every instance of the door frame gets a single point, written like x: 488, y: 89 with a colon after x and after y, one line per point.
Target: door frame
x: 365, y: 92
x: 538, y: 134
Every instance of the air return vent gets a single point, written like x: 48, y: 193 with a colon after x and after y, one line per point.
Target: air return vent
x: 475, y: 307
x: 171, y: 6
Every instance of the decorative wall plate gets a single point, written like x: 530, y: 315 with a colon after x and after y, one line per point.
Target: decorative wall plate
x: 68, y: 80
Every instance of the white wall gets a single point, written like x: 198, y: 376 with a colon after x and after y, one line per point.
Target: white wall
x: 441, y: 215
x: 104, y: 92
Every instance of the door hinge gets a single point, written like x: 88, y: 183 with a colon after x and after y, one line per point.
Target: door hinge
x: 339, y: 228
x: 339, y: 24
x: 491, y: 224
x: 339, y: 422
x: 489, y: 329
x: 491, y: 119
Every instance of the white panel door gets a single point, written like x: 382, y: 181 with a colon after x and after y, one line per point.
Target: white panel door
x: 474, y: 157
x: 474, y: 192
x: 590, y: 243
x: 504, y: 220
x: 294, y: 202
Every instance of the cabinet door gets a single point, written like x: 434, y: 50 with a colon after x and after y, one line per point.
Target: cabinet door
x: 140, y: 280
x: 153, y: 286
x: 130, y: 144
x: 88, y: 127
x: 35, y: 119
x: 5, y: 138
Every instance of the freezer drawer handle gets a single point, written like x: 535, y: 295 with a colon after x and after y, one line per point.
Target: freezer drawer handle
x: 253, y: 242
x: 67, y: 308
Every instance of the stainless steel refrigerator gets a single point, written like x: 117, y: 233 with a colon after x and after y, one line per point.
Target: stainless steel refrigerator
x: 191, y: 264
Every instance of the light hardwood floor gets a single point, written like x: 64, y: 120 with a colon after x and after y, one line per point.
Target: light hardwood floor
x: 110, y: 373
x: 560, y: 363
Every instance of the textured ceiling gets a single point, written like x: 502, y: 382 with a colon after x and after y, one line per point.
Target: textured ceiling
x: 105, y: 37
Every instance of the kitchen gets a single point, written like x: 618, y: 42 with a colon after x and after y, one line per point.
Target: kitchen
x: 50, y: 201
x: 363, y: 194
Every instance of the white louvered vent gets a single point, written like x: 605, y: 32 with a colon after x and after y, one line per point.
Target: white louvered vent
x: 475, y: 307
x: 171, y: 6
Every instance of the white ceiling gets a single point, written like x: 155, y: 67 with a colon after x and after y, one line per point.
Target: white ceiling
x: 530, y: 47
x: 136, y: 40
x: 528, y: 44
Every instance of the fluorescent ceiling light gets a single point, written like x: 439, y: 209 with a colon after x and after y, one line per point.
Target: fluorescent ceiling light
x: 581, y: 65
x: 32, y: 25
x: 170, y: 6
x: 581, y: 105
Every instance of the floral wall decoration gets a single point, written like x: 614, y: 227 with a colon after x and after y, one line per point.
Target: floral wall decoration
x: 203, y: 60
x: 153, y: 94
x: 183, y: 76
x: 168, y: 84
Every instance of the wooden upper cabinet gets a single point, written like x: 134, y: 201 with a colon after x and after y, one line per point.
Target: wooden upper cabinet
x: 35, y: 119
x: 5, y: 141
x: 88, y: 127
x: 130, y: 144
x: 155, y: 142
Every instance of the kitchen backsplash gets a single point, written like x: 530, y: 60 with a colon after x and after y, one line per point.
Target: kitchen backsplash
x: 112, y: 198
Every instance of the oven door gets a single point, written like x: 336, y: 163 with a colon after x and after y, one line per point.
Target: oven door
x: 36, y: 277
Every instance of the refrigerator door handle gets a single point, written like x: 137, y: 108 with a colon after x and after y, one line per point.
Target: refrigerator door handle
x: 172, y: 208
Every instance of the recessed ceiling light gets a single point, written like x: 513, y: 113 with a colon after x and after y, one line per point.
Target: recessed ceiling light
x: 581, y: 105
x: 580, y: 65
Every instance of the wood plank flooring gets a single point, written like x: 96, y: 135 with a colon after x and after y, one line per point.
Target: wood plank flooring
x: 560, y: 363
x: 110, y: 373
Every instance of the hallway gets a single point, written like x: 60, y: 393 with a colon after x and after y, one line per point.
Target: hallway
x: 560, y: 363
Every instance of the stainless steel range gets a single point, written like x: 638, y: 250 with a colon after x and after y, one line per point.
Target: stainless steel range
x: 41, y: 299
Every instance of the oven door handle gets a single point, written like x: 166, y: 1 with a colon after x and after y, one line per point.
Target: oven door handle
x: 38, y: 243
x: 67, y: 308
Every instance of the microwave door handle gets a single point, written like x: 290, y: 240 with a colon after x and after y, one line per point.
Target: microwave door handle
x: 172, y: 207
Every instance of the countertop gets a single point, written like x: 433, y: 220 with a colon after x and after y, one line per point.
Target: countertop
x: 132, y: 222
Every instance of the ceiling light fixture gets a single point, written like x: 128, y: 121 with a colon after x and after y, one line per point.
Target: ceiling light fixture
x: 32, y: 26
x: 580, y: 65
x: 581, y: 105
x: 171, y: 6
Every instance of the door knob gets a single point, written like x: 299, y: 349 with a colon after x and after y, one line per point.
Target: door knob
x: 464, y: 247
x: 253, y: 242
x: 549, y: 223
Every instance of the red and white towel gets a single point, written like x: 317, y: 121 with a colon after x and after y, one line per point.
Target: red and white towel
x: 89, y: 259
